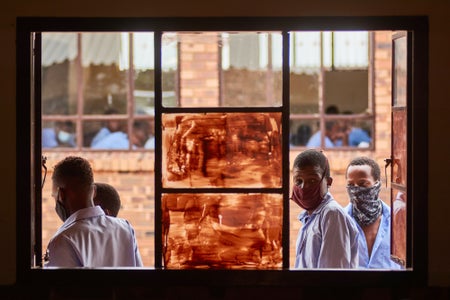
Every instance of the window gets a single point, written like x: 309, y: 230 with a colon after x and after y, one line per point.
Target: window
x: 190, y: 172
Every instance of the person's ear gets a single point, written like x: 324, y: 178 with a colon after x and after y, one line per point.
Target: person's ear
x: 329, y: 181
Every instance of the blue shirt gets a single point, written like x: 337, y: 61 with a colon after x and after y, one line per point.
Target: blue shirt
x: 357, y: 136
x: 49, y: 138
x: 89, y: 238
x: 115, y: 140
x: 381, y: 251
x: 101, y: 134
x: 327, y: 239
x: 314, y: 141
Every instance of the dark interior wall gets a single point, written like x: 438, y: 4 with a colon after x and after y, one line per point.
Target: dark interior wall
x: 439, y: 62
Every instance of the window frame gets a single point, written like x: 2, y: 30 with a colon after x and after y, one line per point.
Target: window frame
x: 28, y: 154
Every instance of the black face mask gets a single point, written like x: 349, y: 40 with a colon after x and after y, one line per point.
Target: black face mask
x: 61, y: 210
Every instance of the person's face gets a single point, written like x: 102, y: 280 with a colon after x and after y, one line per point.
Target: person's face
x: 113, y: 125
x: 310, y: 176
x: 360, y: 176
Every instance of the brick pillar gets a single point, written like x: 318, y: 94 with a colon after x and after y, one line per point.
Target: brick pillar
x: 199, y: 70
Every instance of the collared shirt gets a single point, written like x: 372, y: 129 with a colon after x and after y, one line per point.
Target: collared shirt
x: 327, y: 239
x: 380, y: 257
x: 101, y: 134
x: 314, y: 141
x: 89, y: 238
x: 115, y: 140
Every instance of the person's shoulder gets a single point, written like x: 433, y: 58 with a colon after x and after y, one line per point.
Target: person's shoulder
x: 332, y: 208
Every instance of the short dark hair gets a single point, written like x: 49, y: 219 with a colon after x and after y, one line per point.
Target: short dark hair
x: 363, y: 161
x: 312, y: 157
x: 75, y: 170
x: 107, y: 197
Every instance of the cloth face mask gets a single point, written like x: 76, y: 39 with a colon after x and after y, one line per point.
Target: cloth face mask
x: 61, y: 210
x: 366, y: 206
x: 308, y: 198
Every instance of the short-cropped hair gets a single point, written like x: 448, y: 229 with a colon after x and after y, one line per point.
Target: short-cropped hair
x: 312, y: 157
x: 107, y: 197
x: 74, y: 170
x: 363, y: 161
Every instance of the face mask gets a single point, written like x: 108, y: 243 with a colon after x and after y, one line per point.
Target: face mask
x: 308, y: 198
x: 61, y: 210
x: 64, y: 137
x: 365, y: 203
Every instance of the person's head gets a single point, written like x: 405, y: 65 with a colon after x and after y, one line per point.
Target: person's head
x: 113, y: 125
x: 140, y: 133
x: 64, y: 132
x: 362, y: 171
x: 332, y: 110
x: 108, y: 198
x: 363, y: 188
x: 333, y: 130
x: 72, y: 185
x: 311, y: 178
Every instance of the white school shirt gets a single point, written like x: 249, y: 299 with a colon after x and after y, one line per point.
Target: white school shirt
x: 89, y: 238
x: 327, y: 239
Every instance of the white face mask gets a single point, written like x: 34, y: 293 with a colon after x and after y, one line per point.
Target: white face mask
x: 64, y: 137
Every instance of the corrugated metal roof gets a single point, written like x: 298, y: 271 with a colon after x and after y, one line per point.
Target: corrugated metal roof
x: 97, y: 48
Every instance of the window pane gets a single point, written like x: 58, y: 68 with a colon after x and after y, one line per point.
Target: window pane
x: 222, y: 69
x: 222, y: 150
x: 59, y: 73
x: 226, y: 231
x: 58, y: 134
x: 104, y: 73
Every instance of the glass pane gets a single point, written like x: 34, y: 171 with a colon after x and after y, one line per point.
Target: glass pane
x: 58, y: 134
x: 236, y: 231
x: 59, y: 74
x: 304, y: 92
x: 400, y: 71
x: 105, y: 81
x: 221, y: 150
x: 143, y: 62
x: 217, y: 69
x: 95, y: 131
x: 251, y: 69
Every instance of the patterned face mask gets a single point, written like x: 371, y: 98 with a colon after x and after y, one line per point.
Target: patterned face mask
x: 366, y: 205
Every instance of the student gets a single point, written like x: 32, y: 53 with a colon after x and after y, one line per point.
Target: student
x: 87, y: 238
x: 372, y: 216
x: 108, y: 198
x: 120, y: 140
x: 328, y: 237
